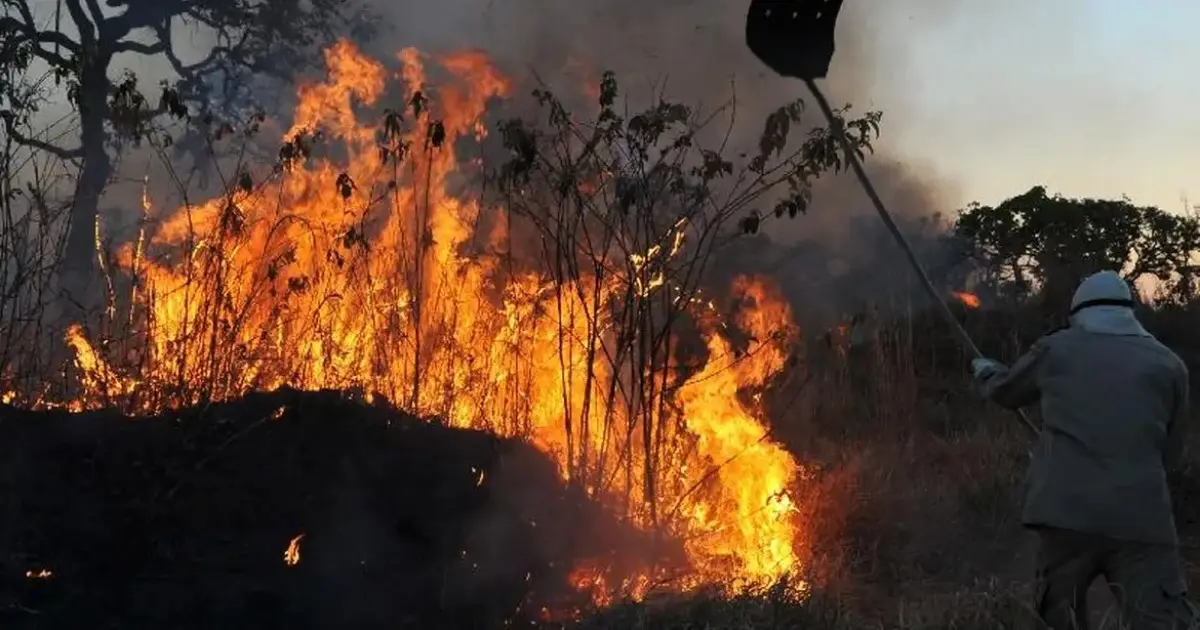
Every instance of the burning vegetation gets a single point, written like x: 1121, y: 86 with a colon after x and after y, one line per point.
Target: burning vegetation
x: 566, y: 308
x: 291, y: 555
x: 969, y: 300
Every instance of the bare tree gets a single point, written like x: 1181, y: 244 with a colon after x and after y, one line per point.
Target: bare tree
x: 260, y: 38
x: 629, y: 210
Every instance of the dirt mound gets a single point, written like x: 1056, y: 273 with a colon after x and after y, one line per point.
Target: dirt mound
x: 183, y: 521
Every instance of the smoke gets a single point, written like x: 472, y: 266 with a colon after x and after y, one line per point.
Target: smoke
x: 832, y: 262
x: 694, y: 52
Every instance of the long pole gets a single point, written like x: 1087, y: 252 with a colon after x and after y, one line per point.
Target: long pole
x: 836, y: 125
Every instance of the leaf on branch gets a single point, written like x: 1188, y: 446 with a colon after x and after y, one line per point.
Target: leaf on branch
x: 345, y: 185
x: 714, y: 166
x: 418, y: 103
x: 522, y: 145
x: 796, y: 203
x: 608, y: 89
x: 245, y: 182
x: 295, y: 150
x: 750, y: 223
x: 393, y: 124
x: 170, y: 102
x: 233, y: 221
x: 128, y: 111
x: 437, y: 134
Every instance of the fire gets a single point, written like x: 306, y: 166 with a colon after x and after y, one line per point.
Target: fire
x: 39, y: 574
x: 350, y: 275
x: 970, y: 300
x: 291, y: 555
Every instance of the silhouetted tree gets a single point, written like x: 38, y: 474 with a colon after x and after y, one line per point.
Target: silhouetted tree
x: 259, y: 38
x: 638, y: 202
x: 1035, y: 242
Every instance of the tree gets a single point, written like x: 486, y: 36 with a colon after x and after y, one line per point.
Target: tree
x: 252, y: 38
x: 628, y: 209
x: 1037, y: 242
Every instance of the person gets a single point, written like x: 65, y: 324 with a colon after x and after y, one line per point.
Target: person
x: 1114, y: 404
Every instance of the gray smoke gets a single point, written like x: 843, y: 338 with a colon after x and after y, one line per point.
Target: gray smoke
x: 833, y: 260
x: 836, y: 256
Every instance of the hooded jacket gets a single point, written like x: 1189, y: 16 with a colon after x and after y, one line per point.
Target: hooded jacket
x: 1114, y: 405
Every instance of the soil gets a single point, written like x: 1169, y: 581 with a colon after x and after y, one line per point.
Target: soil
x: 182, y: 521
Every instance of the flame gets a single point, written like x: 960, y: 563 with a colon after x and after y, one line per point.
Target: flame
x: 39, y: 574
x: 970, y: 300
x: 322, y: 276
x: 291, y: 555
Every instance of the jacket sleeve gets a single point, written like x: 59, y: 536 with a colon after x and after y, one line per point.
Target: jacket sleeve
x: 1177, y: 430
x: 1017, y: 386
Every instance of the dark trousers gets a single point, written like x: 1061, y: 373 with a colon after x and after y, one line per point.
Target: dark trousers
x: 1147, y: 581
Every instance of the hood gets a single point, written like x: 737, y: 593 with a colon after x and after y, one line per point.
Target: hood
x: 1103, y: 304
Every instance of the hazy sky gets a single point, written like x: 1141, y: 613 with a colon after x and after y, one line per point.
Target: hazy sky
x: 1092, y: 98
x: 1088, y: 97
x: 985, y: 98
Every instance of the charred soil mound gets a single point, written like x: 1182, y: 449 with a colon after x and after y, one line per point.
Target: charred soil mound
x: 183, y: 521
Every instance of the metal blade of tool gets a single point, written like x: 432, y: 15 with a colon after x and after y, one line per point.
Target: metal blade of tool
x: 795, y: 38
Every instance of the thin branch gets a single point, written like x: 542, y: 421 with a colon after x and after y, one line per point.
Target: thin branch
x: 41, y: 145
x: 163, y: 32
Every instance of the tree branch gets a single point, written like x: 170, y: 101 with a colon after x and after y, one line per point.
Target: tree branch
x: 42, y: 145
x: 97, y: 16
x: 145, y: 15
x: 32, y: 34
x: 140, y: 48
x: 87, y: 31
x: 183, y: 70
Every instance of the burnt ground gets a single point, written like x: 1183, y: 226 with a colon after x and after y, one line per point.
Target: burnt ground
x: 182, y: 521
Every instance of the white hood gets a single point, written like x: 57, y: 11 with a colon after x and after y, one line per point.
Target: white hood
x: 1103, y: 305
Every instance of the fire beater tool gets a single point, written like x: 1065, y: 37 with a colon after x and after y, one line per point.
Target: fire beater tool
x: 795, y: 39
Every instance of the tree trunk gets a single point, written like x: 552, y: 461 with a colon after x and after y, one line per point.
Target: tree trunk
x: 79, y: 264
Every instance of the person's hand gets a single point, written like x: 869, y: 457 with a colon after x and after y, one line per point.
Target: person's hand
x: 984, y: 369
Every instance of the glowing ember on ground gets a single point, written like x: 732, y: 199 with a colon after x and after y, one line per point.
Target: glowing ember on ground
x: 351, y: 276
x: 970, y: 300
x: 291, y: 556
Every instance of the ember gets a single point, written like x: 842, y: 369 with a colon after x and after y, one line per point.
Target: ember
x: 291, y: 556
x: 970, y: 300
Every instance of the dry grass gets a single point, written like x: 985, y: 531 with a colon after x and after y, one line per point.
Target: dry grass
x: 982, y: 606
x: 913, y: 511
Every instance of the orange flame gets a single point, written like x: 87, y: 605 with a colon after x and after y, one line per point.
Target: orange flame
x: 291, y: 555
x: 310, y: 281
x: 40, y: 574
x: 970, y: 300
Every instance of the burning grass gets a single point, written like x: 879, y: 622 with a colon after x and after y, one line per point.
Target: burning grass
x: 357, y: 263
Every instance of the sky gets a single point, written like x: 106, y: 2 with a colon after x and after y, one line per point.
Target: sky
x: 983, y: 98
x: 1092, y: 98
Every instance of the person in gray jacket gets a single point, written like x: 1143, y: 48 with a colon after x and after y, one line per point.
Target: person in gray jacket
x: 1114, y: 404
